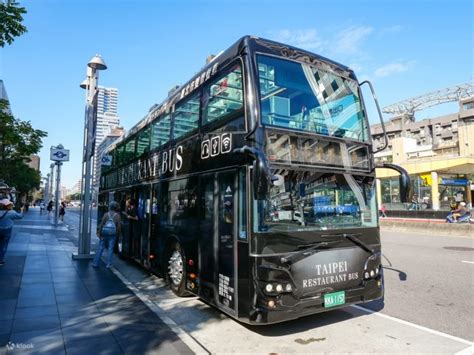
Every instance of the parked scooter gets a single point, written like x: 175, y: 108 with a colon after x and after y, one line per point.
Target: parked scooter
x: 462, y: 219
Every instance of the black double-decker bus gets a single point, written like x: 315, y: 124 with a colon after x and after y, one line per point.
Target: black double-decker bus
x: 253, y: 186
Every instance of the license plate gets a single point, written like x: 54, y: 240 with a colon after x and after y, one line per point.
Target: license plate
x: 334, y: 299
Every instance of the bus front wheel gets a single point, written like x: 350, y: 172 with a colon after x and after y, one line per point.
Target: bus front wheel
x: 177, y: 270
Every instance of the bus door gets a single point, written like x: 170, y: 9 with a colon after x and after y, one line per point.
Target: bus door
x: 141, y: 245
x: 217, y: 244
x: 155, y: 235
x: 225, y: 240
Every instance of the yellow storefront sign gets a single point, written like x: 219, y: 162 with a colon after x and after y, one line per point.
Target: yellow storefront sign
x: 426, y: 179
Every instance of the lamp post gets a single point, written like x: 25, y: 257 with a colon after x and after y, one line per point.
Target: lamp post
x: 51, y: 183
x: 58, y: 154
x: 91, y: 86
x: 46, y: 188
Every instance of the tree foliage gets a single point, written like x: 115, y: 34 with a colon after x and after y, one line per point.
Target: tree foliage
x: 18, y: 140
x: 11, y: 16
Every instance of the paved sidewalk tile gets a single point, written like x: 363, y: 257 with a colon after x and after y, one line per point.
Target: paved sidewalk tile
x: 51, y: 304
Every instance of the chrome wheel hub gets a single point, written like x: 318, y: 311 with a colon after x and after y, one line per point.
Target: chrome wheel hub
x: 175, y: 268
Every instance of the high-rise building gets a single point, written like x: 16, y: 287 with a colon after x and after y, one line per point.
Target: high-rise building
x: 107, y: 120
x: 4, y: 96
x: 107, y: 115
x: 114, y: 134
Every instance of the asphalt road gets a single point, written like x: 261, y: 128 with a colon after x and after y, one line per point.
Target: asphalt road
x: 429, y: 299
x: 429, y: 280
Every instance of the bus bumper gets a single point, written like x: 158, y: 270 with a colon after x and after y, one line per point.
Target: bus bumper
x: 286, y: 309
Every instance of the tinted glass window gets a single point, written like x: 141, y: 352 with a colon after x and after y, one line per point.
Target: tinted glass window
x: 129, y: 153
x: 143, y: 142
x: 186, y: 116
x: 303, y: 97
x: 161, y: 129
x: 224, y: 96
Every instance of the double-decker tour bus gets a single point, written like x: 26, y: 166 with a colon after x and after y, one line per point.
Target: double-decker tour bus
x: 252, y: 186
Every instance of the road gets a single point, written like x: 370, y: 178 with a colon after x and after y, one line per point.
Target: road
x: 430, y: 281
x: 428, y: 307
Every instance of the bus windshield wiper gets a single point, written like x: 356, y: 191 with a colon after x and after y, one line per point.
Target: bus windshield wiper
x: 309, y: 250
x: 358, y: 242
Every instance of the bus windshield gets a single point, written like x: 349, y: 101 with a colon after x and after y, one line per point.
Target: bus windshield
x: 302, y: 97
x: 309, y: 201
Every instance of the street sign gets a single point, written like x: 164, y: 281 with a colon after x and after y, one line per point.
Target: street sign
x: 106, y: 160
x: 59, y: 154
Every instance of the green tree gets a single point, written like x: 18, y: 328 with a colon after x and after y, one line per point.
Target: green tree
x: 10, y: 21
x: 18, y: 140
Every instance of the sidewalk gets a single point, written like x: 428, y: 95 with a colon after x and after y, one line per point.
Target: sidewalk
x: 52, y: 304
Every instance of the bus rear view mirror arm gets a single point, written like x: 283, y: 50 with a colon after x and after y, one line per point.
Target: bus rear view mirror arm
x: 404, y: 179
x: 380, y: 115
x: 262, y: 178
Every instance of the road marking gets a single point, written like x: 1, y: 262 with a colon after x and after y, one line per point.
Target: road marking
x: 467, y: 351
x: 467, y: 262
x: 186, y: 338
x: 413, y: 325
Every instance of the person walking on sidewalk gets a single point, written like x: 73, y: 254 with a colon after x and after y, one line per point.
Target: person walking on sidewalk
x: 108, y: 231
x: 62, y: 211
x: 6, y: 225
x: 50, y: 207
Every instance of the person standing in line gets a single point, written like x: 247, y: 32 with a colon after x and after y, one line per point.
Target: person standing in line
x: 6, y: 224
x: 108, y: 231
x: 62, y: 211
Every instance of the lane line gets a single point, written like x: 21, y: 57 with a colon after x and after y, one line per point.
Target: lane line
x: 467, y: 351
x: 467, y: 262
x: 413, y: 325
x: 185, y: 337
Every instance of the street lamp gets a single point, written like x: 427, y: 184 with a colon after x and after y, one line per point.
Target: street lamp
x: 51, y: 183
x: 58, y: 155
x: 91, y: 87
x: 46, y: 188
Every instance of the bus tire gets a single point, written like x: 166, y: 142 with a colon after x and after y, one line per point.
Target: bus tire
x: 176, y: 270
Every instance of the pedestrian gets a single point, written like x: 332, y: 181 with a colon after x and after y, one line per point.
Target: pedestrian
x: 382, y: 211
x: 62, y: 211
x: 108, y: 231
x: 50, y: 207
x: 6, y: 225
x: 42, y: 207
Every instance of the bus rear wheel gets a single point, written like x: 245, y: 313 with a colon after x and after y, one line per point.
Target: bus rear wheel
x: 177, y: 270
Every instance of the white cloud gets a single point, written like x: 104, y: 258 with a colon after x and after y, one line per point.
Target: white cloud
x: 306, y: 39
x: 348, y: 41
x: 394, y: 68
x: 392, y: 29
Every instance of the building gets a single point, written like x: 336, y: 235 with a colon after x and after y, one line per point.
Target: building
x: 107, y: 114
x: 437, y: 153
x: 34, y: 162
x: 114, y: 134
x: 107, y: 120
x: 4, y: 96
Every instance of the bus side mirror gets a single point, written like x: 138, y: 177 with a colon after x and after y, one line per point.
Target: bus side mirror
x: 261, y: 183
x: 262, y: 178
x: 404, y: 180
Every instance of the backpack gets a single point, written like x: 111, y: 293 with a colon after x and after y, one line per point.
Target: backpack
x: 109, y: 227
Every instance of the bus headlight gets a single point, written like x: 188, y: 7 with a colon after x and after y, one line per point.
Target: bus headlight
x: 372, y: 273
x: 279, y: 288
x: 269, y: 288
x: 288, y: 288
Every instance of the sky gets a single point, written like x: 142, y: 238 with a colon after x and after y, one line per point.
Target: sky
x: 406, y: 48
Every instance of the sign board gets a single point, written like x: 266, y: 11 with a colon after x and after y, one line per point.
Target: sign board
x: 454, y: 182
x: 106, y: 160
x: 59, y: 154
x: 426, y: 179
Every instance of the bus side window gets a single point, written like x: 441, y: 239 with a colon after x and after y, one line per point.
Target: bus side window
x: 224, y: 96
